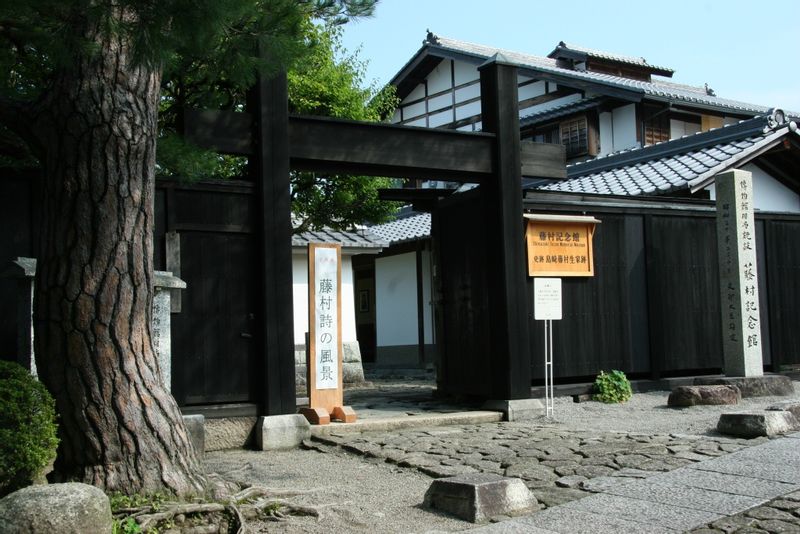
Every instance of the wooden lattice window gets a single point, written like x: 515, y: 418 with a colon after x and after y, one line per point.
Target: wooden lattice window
x: 575, y: 136
x: 656, y: 129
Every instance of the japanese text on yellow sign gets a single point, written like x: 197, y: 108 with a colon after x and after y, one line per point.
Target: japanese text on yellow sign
x: 558, y: 248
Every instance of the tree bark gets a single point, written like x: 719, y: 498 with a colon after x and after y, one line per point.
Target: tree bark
x: 120, y: 429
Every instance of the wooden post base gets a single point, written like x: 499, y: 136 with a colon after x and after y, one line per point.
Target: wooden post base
x: 345, y: 414
x: 316, y: 416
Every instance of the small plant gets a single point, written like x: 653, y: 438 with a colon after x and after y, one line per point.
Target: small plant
x: 612, y: 387
x: 126, y: 526
x: 28, y: 428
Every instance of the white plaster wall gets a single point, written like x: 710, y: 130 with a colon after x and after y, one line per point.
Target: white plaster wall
x: 606, y: 126
x: 768, y: 193
x: 678, y: 129
x: 439, y: 79
x: 624, y: 124
x: 465, y: 72
x: 438, y: 119
x: 468, y: 110
x: 300, y: 298
x: 414, y: 110
x: 441, y: 102
x: 396, y: 300
x: 417, y: 93
x: 467, y: 93
x: 532, y: 90
x: 427, y: 308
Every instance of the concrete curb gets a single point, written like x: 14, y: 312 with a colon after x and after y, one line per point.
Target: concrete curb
x: 412, y: 421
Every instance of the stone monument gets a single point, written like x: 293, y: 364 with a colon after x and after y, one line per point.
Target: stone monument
x: 738, y: 275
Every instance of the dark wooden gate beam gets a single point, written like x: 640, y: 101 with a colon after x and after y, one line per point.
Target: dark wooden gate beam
x: 350, y: 147
x: 509, y: 329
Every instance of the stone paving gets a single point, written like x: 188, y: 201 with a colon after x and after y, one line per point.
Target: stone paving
x: 558, y: 465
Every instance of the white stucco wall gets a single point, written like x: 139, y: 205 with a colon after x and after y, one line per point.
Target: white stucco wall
x: 300, y: 298
x: 606, y: 127
x: 396, y: 300
x: 624, y: 127
x: 678, y: 129
x: 427, y: 299
x: 768, y: 193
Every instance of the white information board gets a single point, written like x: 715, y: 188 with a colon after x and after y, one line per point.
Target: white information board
x: 547, y: 299
x: 326, y: 318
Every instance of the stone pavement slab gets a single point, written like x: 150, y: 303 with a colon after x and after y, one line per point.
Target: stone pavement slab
x: 779, y: 451
x: 687, y: 497
x: 652, y: 513
x: 749, y: 467
x: 740, y: 485
x: 570, y: 521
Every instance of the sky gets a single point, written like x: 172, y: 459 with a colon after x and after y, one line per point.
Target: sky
x: 744, y: 50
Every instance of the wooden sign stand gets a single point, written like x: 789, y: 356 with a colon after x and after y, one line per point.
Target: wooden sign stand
x: 324, y: 347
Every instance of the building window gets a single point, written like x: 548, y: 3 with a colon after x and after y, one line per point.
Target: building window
x: 575, y: 136
x: 656, y: 129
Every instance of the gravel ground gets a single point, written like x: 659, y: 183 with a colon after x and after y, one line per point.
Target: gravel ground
x: 358, y: 494
x: 649, y: 413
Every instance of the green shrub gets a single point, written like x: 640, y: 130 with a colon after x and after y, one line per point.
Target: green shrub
x: 612, y: 387
x: 27, y: 428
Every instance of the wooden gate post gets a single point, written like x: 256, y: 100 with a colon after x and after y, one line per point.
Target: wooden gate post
x: 269, y: 167
x: 505, y: 236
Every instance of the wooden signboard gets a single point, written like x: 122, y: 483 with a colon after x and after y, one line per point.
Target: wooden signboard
x: 560, y: 245
x: 324, y: 349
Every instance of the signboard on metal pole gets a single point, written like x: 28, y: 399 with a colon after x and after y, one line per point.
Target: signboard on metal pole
x: 547, y: 307
x: 560, y: 245
x: 324, y: 348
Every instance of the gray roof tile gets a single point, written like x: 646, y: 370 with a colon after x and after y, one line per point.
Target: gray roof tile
x: 360, y: 239
x: 657, y: 88
x: 679, y: 164
x: 591, y: 52
x: 417, y: 226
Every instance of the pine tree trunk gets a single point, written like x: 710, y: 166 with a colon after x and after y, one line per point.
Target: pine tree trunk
x: 120, y: 429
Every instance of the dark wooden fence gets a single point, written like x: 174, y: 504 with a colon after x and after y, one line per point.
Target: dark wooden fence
x: 652, y: 309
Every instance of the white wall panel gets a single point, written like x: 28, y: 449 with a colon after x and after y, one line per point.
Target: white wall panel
x: 531, y: 91
x: 624, y: 119
x: 439, y: 79
x: 440, y: 102
x: 413, y: 110
x: 396, y: 300
x: 438, y: 119
x: 606, y: 125
x: 468, y: 93
x: 465, y: 72
x: 468, y: 110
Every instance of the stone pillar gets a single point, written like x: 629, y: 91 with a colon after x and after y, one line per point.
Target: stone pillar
x: 163, y: 285
x: 738, y: 275
x: 23, y: 271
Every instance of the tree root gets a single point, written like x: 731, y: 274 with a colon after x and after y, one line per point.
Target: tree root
x: 255, y: 502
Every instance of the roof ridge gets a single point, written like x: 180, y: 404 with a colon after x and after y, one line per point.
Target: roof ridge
x: 668, y: 148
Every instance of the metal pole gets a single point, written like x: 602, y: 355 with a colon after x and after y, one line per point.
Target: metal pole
x: 548, y: 368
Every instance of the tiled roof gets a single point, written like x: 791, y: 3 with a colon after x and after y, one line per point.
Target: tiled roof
x: 656, y: 89
x: 591, y: 52
x: 361, y: 239
x: 686, y: 163
x: 406, y: 229
x: 560, y: 111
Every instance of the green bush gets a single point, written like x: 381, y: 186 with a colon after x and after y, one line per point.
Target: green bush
x: 612, y: 387
x: 27, y: 428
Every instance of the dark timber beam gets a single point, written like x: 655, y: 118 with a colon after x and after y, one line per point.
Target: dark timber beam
x: 507, y: 280
x: 269, y: 168
x: 350, y: 147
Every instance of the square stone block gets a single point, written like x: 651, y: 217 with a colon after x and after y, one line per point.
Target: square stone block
x: 195, y: 426
x: 480, y: 496
x: 517, y: 409
x: 281, y: 431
